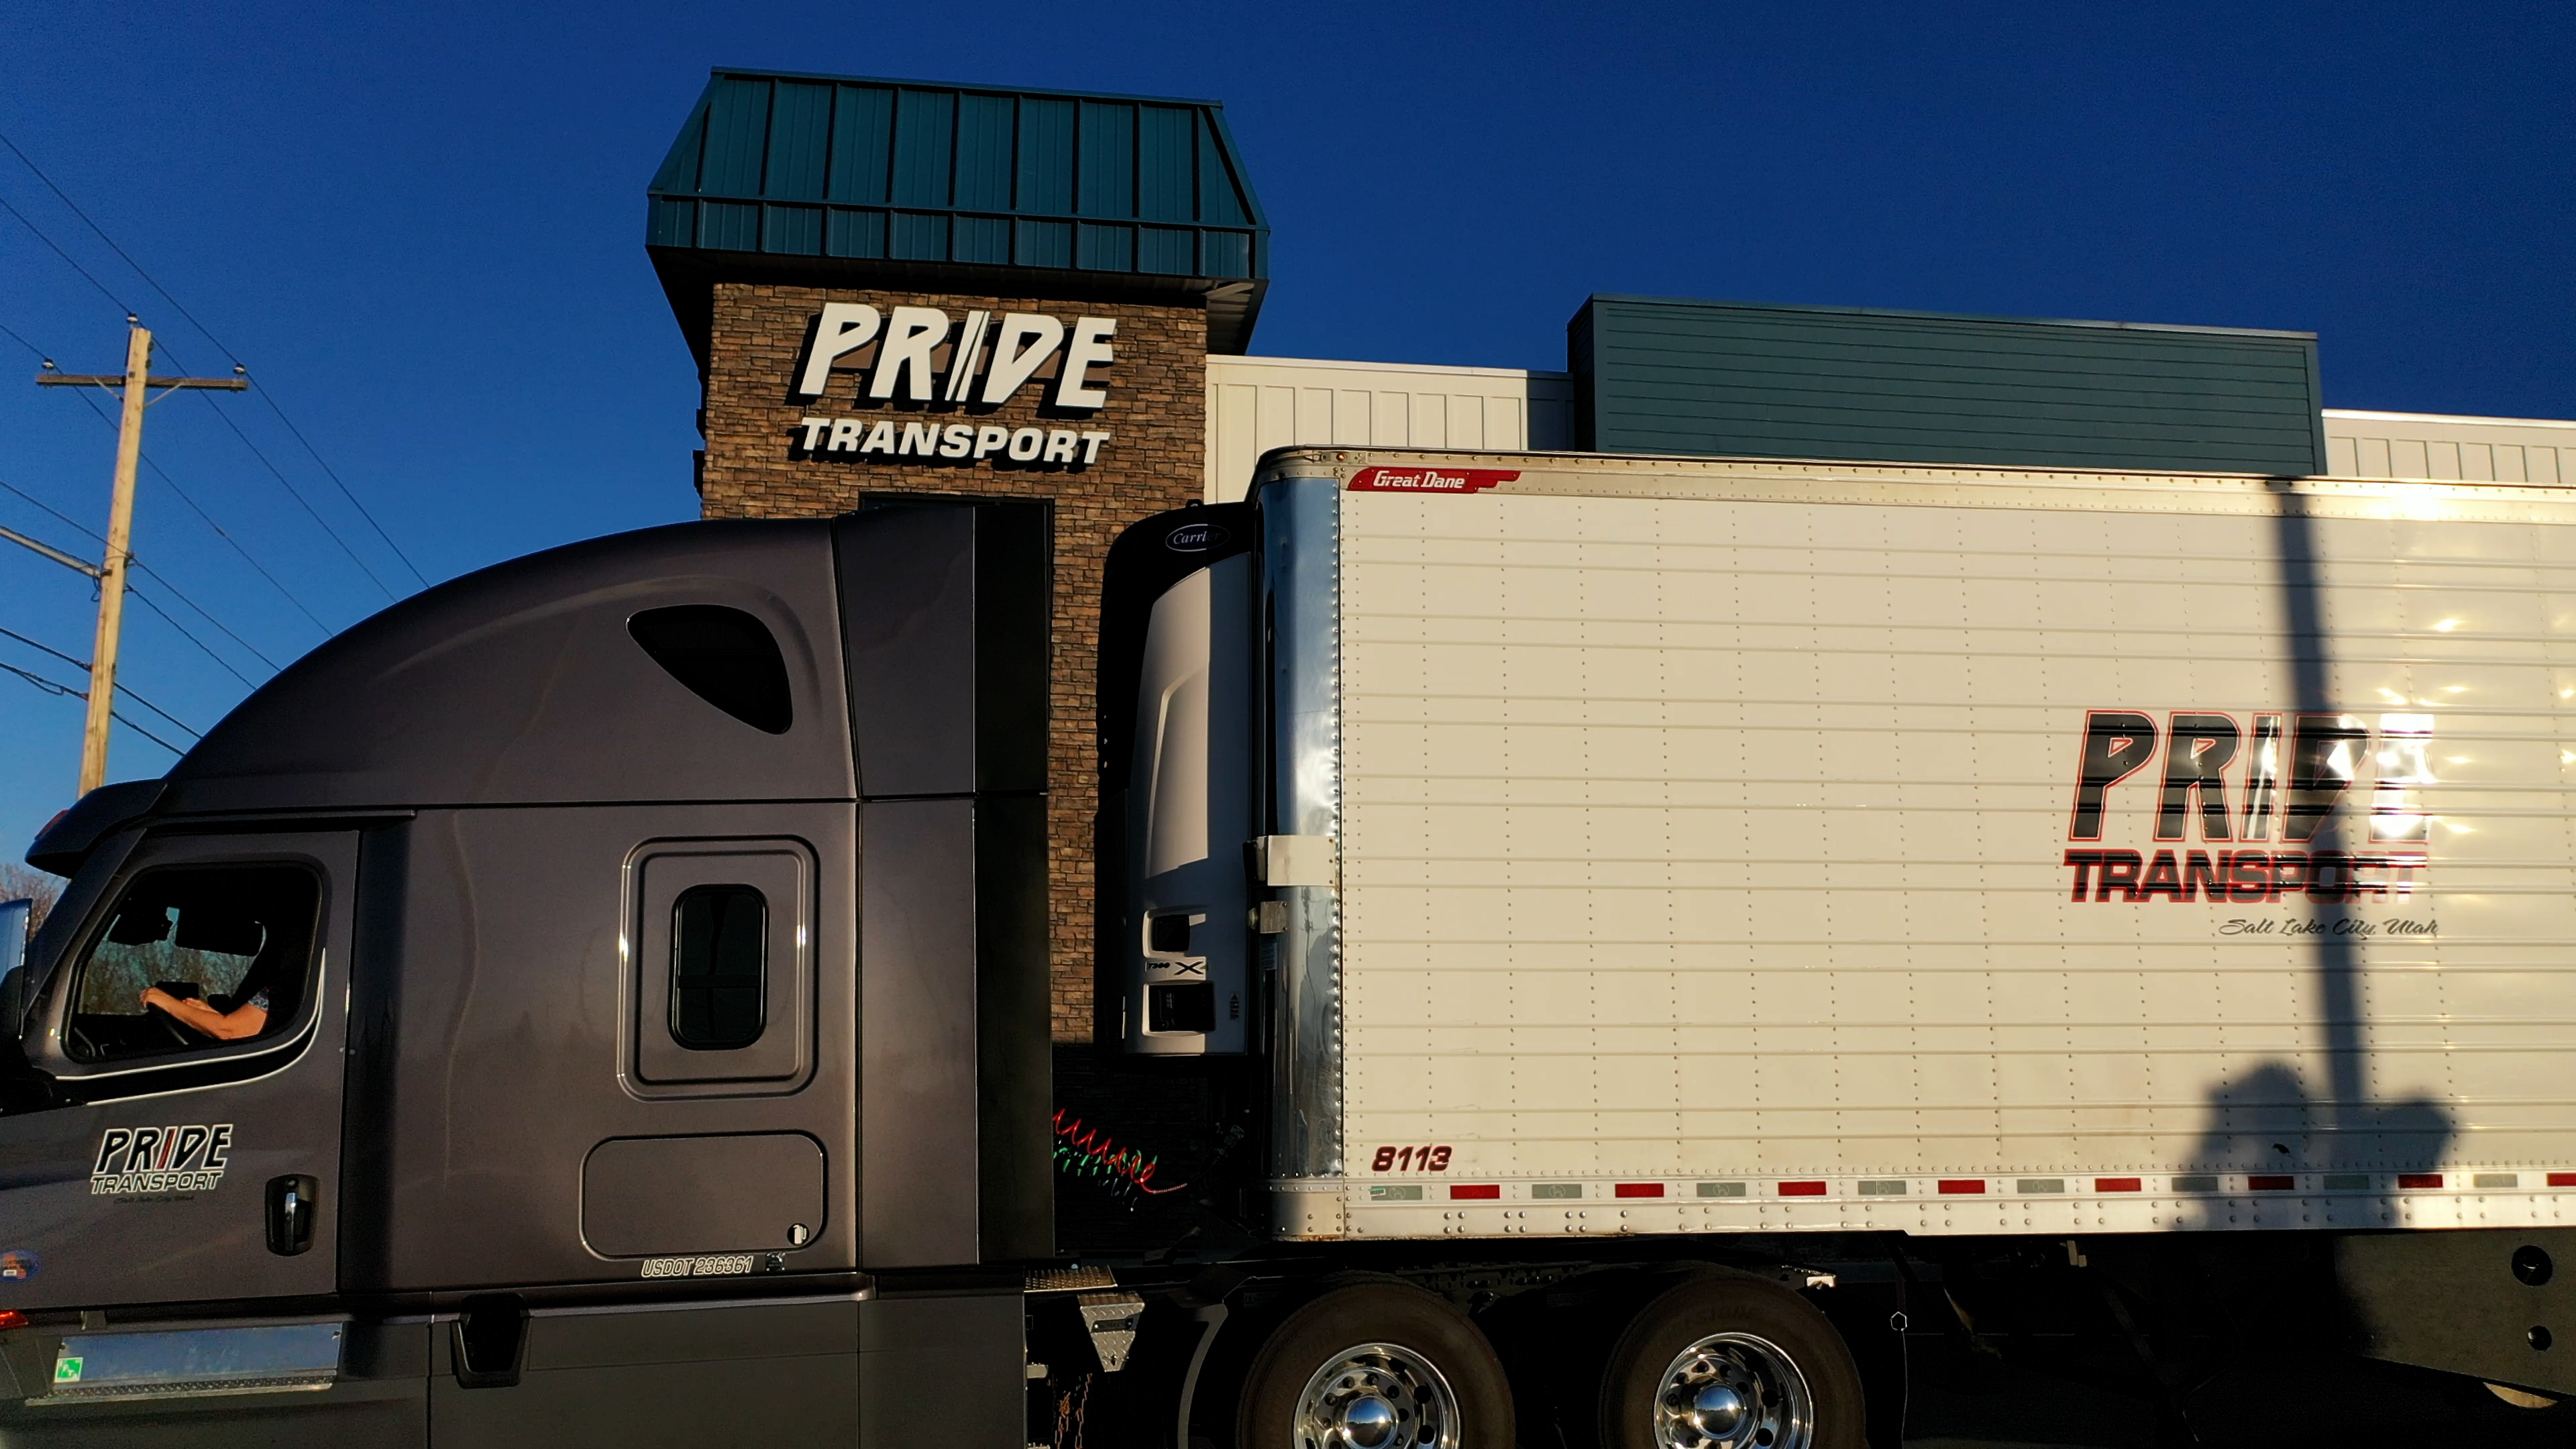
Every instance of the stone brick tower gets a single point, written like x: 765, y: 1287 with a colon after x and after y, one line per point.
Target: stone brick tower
x: 898, y: 291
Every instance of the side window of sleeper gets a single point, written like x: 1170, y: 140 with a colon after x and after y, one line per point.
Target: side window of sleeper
x: 719, y: 967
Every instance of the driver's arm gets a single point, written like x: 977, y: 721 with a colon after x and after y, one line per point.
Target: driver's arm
x: 246, y: 1020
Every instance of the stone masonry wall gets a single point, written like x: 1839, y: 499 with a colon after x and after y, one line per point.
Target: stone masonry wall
x: 756, y: 467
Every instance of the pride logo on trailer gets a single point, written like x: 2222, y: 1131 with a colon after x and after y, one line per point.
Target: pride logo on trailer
x: 2287, y: 779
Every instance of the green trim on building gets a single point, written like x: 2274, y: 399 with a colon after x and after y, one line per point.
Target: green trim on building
x: 1671, y: 375
x: 839, y: 180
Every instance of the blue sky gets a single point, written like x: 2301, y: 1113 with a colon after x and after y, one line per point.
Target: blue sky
x: 421, y: 229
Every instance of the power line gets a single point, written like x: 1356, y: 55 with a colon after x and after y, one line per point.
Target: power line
x: 333, y: 474
x: 301, y: 501
x: 101, y: 696
x: 58, y: 514
x: 238, y: 366
x: 182, y: 725
x: 66, y: 256
x: 50, y: 687
x: 41, y: 682
x: 163, y: 474
x: 80, y: 664
x: 60, y: 557
x: 66, y: 200
x: 158, y: 577
x: 23, y: 342
x: 248, y: 647
x: 273, y: 581
x: 163, y: 580
x: 145, y: 600
x: 208, y: 519
x: 278, y: 473
x: 127, y: 690
x: 67, y: 561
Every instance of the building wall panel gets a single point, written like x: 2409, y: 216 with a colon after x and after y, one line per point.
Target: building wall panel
x: 1259, y: 403
x: 2445, y: 448
x: 1662, y: 375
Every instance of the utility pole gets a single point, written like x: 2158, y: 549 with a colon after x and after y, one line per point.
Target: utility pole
x: 137, y: 382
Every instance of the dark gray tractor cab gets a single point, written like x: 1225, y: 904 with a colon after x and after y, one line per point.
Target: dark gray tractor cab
x: 599, y: 998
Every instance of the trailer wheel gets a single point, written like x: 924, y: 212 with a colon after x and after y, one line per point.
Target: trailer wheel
x: 1731, y: 1363
x: 1375, y: 1366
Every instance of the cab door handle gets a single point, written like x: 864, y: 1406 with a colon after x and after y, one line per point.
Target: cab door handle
x: 292, y: 1204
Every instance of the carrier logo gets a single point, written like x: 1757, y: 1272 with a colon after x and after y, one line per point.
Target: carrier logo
x: 2291, y: 778
x: 919, y: 355
x: 159, y: 1161
x: 1194, y: 538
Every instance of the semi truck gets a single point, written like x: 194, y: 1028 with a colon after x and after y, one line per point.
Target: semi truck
x: 1643, y: 953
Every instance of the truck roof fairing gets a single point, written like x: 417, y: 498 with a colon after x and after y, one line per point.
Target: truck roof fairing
x: 521, y: 684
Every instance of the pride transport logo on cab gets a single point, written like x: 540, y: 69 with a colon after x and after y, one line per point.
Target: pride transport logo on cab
x: 157, y: 1161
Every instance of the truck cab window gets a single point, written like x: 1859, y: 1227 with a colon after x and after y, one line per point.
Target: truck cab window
x: 195, y: 957
x: 719, y: 967
x: 725, y: 657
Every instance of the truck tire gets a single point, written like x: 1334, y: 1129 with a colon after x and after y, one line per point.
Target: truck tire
x: 1731, y: 1363
x: 1375, y: 1366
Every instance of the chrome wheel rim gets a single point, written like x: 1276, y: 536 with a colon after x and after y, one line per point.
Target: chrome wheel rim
x: 1733, y: 1391
x: 1377, y: 1396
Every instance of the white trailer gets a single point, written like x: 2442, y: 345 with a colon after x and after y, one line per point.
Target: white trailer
x: 1746, y: 845
x: 1652, y: 847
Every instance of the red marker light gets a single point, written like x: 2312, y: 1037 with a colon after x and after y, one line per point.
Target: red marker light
x: 1963, y: 1184
x: 2562, y: 1179
x: 2419, y: 1179
x: 1638, y: 1189
x: 2119, y: 1184
x: 1802, y: 1189
x: 12, y: 1318
x: 1474, y: 1191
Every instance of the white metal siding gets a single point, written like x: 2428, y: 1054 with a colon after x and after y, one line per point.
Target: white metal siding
x: 1719, y: 840
x: 2426, y: 445
x: 1258, y: 403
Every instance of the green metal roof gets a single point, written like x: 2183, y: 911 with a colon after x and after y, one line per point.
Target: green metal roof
x: 1673, y: 375
x: 835, y: 180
